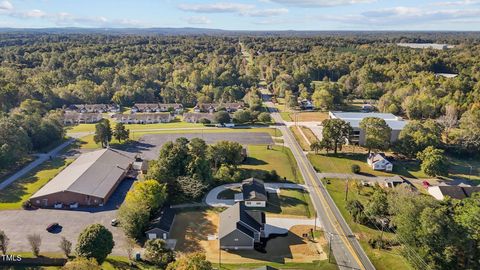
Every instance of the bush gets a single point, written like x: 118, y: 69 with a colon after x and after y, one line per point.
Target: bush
x: 27, y: 205
x: 96, y: 242
x: 355, y: 168
x: 272, y: 176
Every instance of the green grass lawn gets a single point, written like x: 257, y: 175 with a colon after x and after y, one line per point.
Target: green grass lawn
x: 14, y: 195
x: 175, y: 124
x: 381, y: 259
x: 279, y: 159
x: 291, y: 202
x: 299, y: 138
x: 342, y: 162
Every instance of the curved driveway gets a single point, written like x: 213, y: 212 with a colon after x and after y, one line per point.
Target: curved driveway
x: 212, y: 196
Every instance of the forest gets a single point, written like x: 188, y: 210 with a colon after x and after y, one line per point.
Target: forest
x: 41, y: 72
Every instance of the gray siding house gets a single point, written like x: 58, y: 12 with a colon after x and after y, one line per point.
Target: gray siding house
x: 240, y: 228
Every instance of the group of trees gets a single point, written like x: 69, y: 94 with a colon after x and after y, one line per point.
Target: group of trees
x: 433, y: 234
x: 141, y: 204
x: 95, y: 68
x: 104, y: 133
x: 188, y: 168
x: 29, y: 127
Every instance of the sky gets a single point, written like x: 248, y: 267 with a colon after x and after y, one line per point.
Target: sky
x: 245, y: 14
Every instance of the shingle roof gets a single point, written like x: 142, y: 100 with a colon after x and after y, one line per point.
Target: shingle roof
x: 253, y: 189
x: 237, y: 217
x: 455, y: 192
x: 164, y: 220
x: 93, y: 174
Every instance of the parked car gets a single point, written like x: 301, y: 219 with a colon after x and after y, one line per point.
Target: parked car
x: 74, y: 205
x: 52, y: 227
x: 114, y: 222
x: 58, y: 206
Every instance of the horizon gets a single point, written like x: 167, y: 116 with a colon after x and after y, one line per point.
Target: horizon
x: 245, y: 15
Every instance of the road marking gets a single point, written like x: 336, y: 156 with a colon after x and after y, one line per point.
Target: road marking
x: 328, y: 210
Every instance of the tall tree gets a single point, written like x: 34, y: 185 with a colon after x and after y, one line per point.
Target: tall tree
x: 434, y: 161
x: 377, y: 133
x: 120, y: 133
x: 156, y: 252
x: 103, y: 132
x: 336, y: 132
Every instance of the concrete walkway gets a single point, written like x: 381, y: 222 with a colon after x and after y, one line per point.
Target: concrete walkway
x: 212, y: 196
x: 283, y: 225
x: 41, y: 158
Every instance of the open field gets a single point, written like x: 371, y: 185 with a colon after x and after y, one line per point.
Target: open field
x: 381, y: 259
x: 290, y: 202
x: 279, y: 159
x: 175, y: 124
x: 14, y: 195
x: 5, y: 173
x: 342, y: 162
x: 309, y: 116
x: 192, y: 228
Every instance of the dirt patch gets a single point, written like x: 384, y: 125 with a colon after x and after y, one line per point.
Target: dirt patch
x: 310, y: 116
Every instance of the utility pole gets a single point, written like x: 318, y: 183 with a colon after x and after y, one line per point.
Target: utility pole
x: 315, y: 226
x: 219, y: 256
x: 329, y: 246
x: 346, y: 191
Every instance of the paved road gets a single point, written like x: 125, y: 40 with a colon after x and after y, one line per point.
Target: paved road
x: 41, y: 158
x: 346, y: 249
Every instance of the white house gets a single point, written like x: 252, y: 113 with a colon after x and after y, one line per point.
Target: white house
x: 379, y: 162
x: 253, y: 193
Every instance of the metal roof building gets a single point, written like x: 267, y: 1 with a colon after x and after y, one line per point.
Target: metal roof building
x: 354, y: 118
x: 89, y: 180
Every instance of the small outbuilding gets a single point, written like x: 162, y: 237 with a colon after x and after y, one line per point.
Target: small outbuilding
x: 160, y: 226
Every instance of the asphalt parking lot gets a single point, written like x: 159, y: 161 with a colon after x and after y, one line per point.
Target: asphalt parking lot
x: 17, y: 224
x: 149, y: 145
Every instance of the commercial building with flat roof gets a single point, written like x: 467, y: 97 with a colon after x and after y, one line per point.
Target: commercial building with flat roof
x: 396, y: 123
x: 89, y: 181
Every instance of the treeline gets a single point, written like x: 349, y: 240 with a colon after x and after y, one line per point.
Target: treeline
x: 28, y: 127
x: 432, y: 234
x: 64, y: 69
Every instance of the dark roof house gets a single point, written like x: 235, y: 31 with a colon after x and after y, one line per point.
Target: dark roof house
x: 455, y: 192
x: 240, y: 228
x: 160, y: 226
x: 253, y: 189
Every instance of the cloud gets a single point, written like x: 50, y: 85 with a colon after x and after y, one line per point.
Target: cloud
x: 457, y: 3
x: 403, y: 16
x: 236, y: 8
x: 216, y: 7
x: 199, y: 20
x: 320, y: 3
x: 265, y: 12
x: 6, y: 5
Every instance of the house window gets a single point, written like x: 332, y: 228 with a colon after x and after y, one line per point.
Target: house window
x: 236, y: 239
x: 259, y: 203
